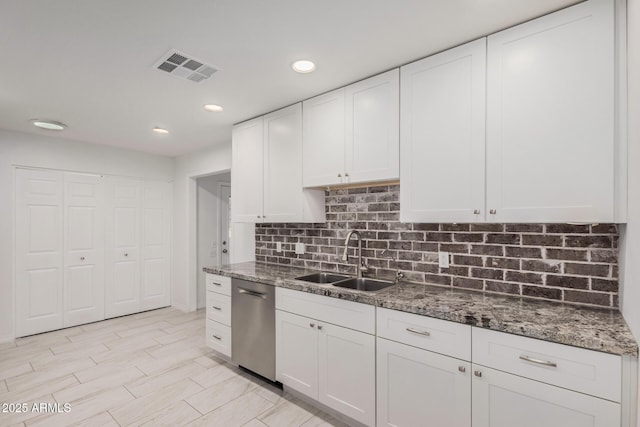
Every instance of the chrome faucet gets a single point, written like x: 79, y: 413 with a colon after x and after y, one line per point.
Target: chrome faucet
x: 361, y: 267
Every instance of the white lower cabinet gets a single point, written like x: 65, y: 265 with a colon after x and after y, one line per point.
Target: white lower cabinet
x: 218, y: 324
x: 332, y: 364
x: 421, y: 388
x: 505, y: 400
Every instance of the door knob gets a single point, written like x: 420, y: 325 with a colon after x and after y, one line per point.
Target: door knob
x: 224, y: 242
x: 224, y: 251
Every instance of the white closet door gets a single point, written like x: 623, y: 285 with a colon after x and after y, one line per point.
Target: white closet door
x: 39, y: 279
x: 156, y: 228
x: 122, y: 257
x: 83, y: 248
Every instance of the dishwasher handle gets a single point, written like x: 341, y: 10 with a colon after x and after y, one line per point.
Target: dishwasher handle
x: 252, y: 293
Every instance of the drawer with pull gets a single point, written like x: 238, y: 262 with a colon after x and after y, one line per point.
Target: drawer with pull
x: 586, y: 371
x: 218, y: 337
x: 219, y: 284
x: 440, y: 336
x: 219, y: 308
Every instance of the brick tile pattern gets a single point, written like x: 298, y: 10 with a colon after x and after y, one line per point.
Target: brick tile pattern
x: 572, y: 263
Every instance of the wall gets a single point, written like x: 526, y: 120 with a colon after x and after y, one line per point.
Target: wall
x: 184, y: 272
x: 572, y: 263
x: 630, y: 235
x: 46, y: 152
x: 208, y: 250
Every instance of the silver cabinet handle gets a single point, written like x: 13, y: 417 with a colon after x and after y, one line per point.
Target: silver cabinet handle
x: 312, y: 325
x: 346, y: 175
x: 477, y: 373
x: 216, y: 308
x: 217, y: 337
x: 81, y: 258
x: 217, y: 284
x: 538, y: 361
x: 492, y: 211
x: 416, y: 331
x: 258, y: 216
x: 339, y: 175
x: 252, y: 293
x: 476, y: 211
x: 126, y: 254
x: 319, y: 327
x: 462, y: 369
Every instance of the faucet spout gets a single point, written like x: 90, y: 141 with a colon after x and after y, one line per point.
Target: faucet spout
x: 361, y: 267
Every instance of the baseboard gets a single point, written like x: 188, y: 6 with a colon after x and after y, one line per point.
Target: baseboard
x: 6, y: 338
x: 183, y: 308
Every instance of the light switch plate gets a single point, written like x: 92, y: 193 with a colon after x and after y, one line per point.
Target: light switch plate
x: 299, y: 248
x: 443, y: 259
x: 278, y: 246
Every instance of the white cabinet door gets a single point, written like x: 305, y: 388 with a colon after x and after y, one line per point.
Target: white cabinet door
x: 39, y: 251
x: 347, y: 372
x: 297, y: 353
x: 323, y: 139
x: 83, y: 248
x: 247, y: 171
x: 442, y: 138
x: 122, y: 249
x: 283, y: 165
x: 550, y: 118
x: 505, y: 400
x: 372, y: 148
x: 418, y: 387
x: 156, y: 228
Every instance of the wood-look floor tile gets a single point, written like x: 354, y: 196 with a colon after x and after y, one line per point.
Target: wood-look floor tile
x: 142, y: 330
x: 86, y: 408
x: 155, y: 366
x: 47, y: 388
x: 7, y: 345
x: 150, y: 384
x: 178, y: 414
x: 3, y: 387
x: 79, y: 348
x: 288, y: 412
x: 21, y: 417
x: 235, y: 413
x: 101, y: 420
x: 34, y: 379
x: 254, y: 423
x: 215, y: 375
x: 132, y: 350
x: 165, y: 350
x: 15, y: 369
x: 207, y: 361
x: 83, y: 390
x: 107, y: 368
x: 324, y: 420
x: 220, y: 394
x: 151, y: 403
x: 53, y: 361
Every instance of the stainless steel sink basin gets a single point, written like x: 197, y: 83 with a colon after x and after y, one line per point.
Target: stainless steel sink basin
x: 364, y: 284
x: 322, y: 278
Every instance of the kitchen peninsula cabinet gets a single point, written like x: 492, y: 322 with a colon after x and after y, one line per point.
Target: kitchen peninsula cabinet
x: 350, y: 135
x: 266, y: 171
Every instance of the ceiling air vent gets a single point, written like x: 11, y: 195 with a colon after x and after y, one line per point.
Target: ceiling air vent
x: 184, y: 66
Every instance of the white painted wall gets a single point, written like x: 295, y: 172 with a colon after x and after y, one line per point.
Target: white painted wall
x: 188, y: 168
x: 208, y: 194
x: 630, y: 236
x: 54, y: 153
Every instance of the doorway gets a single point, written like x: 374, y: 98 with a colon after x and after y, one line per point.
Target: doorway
x: 213, y: 226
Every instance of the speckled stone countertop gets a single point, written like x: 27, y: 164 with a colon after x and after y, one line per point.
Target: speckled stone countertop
x: 591, y: 328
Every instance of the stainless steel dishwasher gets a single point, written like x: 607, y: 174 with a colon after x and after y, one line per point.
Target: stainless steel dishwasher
x: 253, y: 331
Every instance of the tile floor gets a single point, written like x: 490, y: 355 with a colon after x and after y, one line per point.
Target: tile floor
x: 150, y: 368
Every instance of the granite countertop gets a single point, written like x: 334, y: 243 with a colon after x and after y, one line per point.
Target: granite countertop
x: 591, y: 328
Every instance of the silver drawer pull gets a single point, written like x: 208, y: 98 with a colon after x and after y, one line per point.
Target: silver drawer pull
x: 538, y: 361
x: 252, y: 293
x: 217, y: 337
x: 416, y: 331
x: 217, y: 284
x: 216, y: 308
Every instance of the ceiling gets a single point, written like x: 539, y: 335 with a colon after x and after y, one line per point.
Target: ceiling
x: 89, y: 63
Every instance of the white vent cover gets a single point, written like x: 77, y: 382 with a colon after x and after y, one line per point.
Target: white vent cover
x: 184, y: 66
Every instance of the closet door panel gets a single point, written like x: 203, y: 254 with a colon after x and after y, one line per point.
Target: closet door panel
x: 83, y: 248
x: 39, y: 251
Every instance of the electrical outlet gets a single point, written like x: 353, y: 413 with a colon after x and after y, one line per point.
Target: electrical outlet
x: 278, y: 246
x: 299, y: 248
x: 443, y: 259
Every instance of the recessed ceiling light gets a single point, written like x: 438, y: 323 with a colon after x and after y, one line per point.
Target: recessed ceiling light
x: 303, y: 66
x: 160, y: 130
x: 213, y: 108
x: 48, y: 124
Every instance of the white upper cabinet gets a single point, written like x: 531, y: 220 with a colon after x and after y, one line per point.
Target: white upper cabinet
x: 266, y: 172
x: 350, y: 135
x: 372, y: 129
x: 550, y: 118
x: 323, y: 139
x: 246, y: 171
x: 442, y: 137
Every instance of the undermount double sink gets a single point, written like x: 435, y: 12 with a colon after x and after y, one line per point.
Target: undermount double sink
x: 361, y: 284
